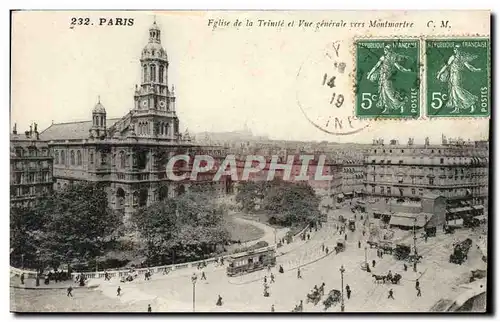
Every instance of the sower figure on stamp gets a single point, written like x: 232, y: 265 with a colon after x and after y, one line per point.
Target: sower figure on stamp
x: 451, y: 73
x: 383, y: 72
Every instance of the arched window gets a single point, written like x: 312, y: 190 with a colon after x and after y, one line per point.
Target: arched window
x: 56, y: 157
x: 122, y: 160
x: 72, y: 157
x: 166, y: 129
x: 145, y: 76
x: 152, y: 72
x: 160, y: 76
x: 102, y: 121
x: 161, y: 128
x: 63, y: 157
x: 78, y: 157
x: 91, y: 157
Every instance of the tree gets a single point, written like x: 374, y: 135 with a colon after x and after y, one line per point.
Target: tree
x: 251, y: 193
x: 25, y: 225
x: 78, y: 225
x: 291, y: 203
x: 188, y: 226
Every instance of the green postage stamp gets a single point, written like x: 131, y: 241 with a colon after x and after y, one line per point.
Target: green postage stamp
x: 457, y: 77
x: 388, y: 78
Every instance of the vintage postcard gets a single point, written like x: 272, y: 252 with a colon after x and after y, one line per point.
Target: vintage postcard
x: 249, y: 161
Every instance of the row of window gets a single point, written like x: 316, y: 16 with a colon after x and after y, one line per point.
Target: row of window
x: 28, y: 191
x: 74, y: 158
x: 414, y: 151
x: 25, y: 178
x: 31, y: 152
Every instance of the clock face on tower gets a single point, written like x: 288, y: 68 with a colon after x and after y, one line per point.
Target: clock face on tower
x: 162, y: 104
x: 144, y: 103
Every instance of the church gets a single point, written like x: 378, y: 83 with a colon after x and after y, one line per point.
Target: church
x: 129, y: 154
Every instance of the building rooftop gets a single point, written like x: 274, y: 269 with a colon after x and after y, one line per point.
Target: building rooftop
x: 71, y: 130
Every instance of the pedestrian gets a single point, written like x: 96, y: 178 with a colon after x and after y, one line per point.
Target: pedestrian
x: 345, y: 237
x: 269, y: 268
x: 419, y: 292
x: 326, y: 250
x: 37, y: 280
x: 118, y: 291
x: 298, y: 273
x: 348, y: 290
x: 373, y: 263
x: 308, y: 236
x: 272, y: 308
x: 70, y: 290
x: 149, y: 308
x: 359, y: 243
x: 417, y: 284
x: 301, y: 306
x: 391, y: 294
x: 203, y: 276
x: 415, y: 266
x: 219, y: 301
x: 22, y: 278
x: 281, y: 270
x: 265, y: 279
x: 405, y: 267
x: 426, y: 237
x: 322, y: 247
x: 272, y: 278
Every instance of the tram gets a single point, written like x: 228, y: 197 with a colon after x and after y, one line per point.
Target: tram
x: 251, y: 261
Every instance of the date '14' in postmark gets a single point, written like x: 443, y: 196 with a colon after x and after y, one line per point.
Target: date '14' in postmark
x: 388, y: 78
x: 457, y: 77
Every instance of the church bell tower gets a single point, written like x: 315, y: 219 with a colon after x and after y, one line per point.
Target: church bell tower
x: 154, y: 109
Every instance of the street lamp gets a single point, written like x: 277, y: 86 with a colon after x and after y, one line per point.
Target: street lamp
x: 342, y: 270
x: 275, y: 241
x: 366, y: 258
x: 193, y: 279
x: 22, y: 261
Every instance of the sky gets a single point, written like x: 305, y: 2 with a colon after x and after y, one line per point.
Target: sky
x: 223, y: 78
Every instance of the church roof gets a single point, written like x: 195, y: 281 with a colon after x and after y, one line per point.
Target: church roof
x: 71, y: 131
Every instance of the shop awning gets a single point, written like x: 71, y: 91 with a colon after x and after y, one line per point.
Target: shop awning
x: 478, y: 207
x: 461, y: 209
x: 348, y: 193
x: 408, y: 219
x: 481, y: 217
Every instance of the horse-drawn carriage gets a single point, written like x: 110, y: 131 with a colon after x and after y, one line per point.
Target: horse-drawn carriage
x: 394, y: 279
x: 332, y: 298
x: 315, y: 295
x: 340, y: 246
x: 460, y: 251
x: 402, y: 251
x: 386, y: 247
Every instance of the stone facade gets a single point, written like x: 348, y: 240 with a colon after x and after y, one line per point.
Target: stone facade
x: 30, y: 168
x: 129, y: 155
x: 456, y: 170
